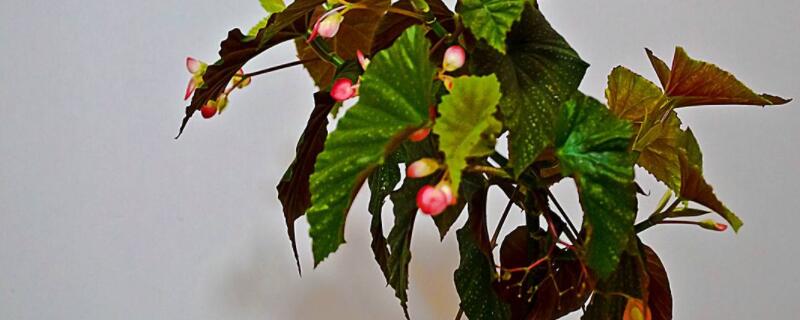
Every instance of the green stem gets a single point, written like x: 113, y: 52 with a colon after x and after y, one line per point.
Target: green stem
x: 323, y: 50
x: 656, y: 217
x: 497, y: 172
x: 423, y: 8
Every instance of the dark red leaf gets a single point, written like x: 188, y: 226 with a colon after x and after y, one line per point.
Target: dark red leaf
x: 659, y: 298
x: 293, y: 189
x: 237, y: 49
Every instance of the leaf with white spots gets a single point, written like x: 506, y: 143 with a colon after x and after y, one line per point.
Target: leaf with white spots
x: 396, y: 92
x: 537, y: 74
x: 491, y: 20
x: 592, y: 145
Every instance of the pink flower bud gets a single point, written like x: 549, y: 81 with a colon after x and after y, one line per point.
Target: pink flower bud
x: 422, y: 168
x: 327, y: 25
x: 454, y: 58
x: 342, y: 89
x: 431, y: 201
x: 197, y: 68
x: 240, y: 82
x: 362, y: 60
x: 193, y: 65
x: 712, y: 225
x: 208, y: 110
x: 190, y: 89
x: 419, y: 135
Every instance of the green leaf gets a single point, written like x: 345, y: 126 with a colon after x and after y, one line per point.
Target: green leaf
x: 491, y: 20
x: 694, y: 186
x: 395, y: 94
x: 661, y: 154
x: 272, y: 6
x: 467, y: 127
x: 693, y: 82
x: 405, y: 211
x: 537, y: 74
x: 293, y: 189
x: 476, y: 274
x: 256, y: 28
x: 381, y: 184
x: 592, y: 146
x: 631, y: 96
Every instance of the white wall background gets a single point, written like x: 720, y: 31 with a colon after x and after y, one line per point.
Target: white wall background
x: 104, y: 216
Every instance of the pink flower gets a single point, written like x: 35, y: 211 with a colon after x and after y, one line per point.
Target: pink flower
x: 343, y: 89
x: 431, y: 201
x: 327, y: 25
x: 422, y: 168
x: 454, y: 58
x: 419, y: 135
x: 362, y: 60
x: 197, y: 68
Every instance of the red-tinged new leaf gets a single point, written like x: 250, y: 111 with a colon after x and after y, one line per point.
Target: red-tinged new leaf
x: 694, y: 186
x: 693, y: 82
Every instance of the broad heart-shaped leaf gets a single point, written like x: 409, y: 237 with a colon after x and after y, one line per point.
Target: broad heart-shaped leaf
x: 692, y: 83
x: 381, y: 184
x: 537, y: 74
x: 238, y: 49
x: 659, y: 294
x: 467, y: 127
x: 405, y: 211
x: 491, y: 20
x: 355, y: 33
x: 395, y: 94
x: 694, y: 186
x: 476, y: 276
x: 592, y: 145
x: 293, y: 189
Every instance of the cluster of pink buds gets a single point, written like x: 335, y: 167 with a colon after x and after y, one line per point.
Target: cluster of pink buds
x: 198, y: 68
x: 431, y: 200
x: 343, y: 88
x: 454, y: 58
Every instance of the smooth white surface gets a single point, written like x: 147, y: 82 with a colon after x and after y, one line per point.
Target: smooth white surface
x: 104, y: 216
